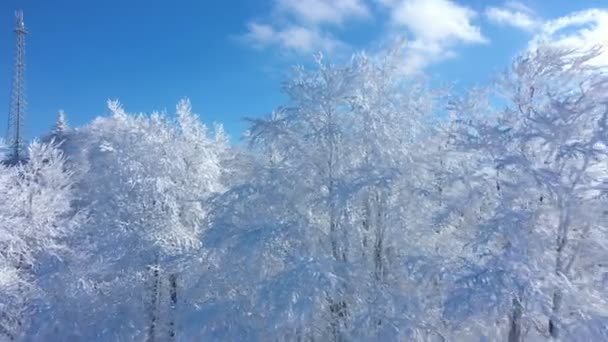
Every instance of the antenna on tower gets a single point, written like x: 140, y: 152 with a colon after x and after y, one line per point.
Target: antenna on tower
x: 18, y: 104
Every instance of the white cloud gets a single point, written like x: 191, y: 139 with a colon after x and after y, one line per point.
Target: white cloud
x: 260, y: 34
x: 293, y: 38
x: 585, y: 29
x: 518, y: 6
x: 437, y: 20
x: 303, y: 26
x: 514, y: 14
x: 323, y: 11
x: 437, y: 26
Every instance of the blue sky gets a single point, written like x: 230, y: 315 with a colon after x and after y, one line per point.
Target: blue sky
x: 230, y: 56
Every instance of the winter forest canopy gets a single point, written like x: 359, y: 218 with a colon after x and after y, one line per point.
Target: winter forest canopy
x: 370, y: 206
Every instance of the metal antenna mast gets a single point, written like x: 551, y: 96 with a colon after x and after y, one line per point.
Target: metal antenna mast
x: 18, y: 103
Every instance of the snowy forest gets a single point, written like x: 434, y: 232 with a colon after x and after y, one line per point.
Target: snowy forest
x: 370, y: 206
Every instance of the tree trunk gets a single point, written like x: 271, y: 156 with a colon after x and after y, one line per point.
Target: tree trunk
x: 562, y: 242
x: 173, y: 306
x: 338, y: 313
x: 379, y: 267
x: 515, y: 331
x: 554, y: 320
x: 154, y: 296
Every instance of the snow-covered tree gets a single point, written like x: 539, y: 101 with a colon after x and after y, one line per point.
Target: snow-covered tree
x: 61, y: 125
x: 319, y: 205
x: 35, y: 219
x: 361, y: 210
x: 144, y: 180
x: 540, y: 244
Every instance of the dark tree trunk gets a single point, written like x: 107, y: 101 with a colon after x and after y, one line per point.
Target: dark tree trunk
x: 515, y: 331
x: 338, y: 312
x: 153, y: 310
x: 553, y: 321
x: 173, y: 307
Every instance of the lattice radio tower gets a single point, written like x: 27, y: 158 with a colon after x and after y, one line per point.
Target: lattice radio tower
x: 18, y: 105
